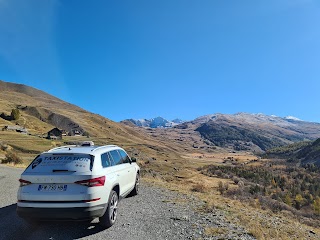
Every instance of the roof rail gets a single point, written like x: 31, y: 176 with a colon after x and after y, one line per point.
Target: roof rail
x: 94, y: 149
x: 66, y: 146
x: 111, y: 146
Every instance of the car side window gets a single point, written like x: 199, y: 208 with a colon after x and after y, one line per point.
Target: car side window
x: 110, y: 158
x: 116, y: 157
x: 105, y: 160
x: 124, y: 157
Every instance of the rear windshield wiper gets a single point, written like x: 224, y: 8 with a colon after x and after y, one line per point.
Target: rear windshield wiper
x: 62, y: 170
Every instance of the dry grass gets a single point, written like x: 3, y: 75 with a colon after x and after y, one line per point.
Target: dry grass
x: 214, y: 231
x: 199, y: 187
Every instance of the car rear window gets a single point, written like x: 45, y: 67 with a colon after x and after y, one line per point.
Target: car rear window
x: 61, y: 163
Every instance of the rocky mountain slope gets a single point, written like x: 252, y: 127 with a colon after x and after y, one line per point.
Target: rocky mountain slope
x: 244, y: 131
x: 241, y: 131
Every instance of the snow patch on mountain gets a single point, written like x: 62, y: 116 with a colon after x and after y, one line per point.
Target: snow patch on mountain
x: 292, y: 118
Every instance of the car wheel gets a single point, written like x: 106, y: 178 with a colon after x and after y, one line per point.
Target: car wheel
x: 110, y: 215
x: 135, y: 190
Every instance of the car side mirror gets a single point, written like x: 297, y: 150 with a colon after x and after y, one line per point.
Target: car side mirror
x: 133, y: 159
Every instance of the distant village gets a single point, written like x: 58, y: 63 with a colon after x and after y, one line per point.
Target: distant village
x: 53, y: 134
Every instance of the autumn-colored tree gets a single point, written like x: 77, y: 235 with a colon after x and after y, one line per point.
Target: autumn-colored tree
x: 288, y: 200
x: 298, y: 201
x: 316, y: 205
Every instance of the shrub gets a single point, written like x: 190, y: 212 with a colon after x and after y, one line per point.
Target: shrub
x: 15, y: 114
x: 11, y: 157
x: 316, y: 206
x: 199, y: 187
x: 288, y: 200
x: 222, y: 187
x: 236, y: 180
x: 3, y: 146
x: 241, y: 184
x: 86, y: 134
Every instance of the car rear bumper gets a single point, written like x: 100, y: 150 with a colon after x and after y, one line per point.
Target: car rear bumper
x: 77, y: 213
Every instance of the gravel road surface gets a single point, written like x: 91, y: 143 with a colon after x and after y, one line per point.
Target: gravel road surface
x: 154, y: 214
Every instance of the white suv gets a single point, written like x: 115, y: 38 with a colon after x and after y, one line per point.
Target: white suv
x: 77, y: 183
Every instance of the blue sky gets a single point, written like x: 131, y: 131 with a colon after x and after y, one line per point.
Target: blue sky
x: 142, y: 59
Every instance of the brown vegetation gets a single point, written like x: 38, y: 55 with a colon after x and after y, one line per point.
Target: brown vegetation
x: 294, y: 189
x: 12, y: 157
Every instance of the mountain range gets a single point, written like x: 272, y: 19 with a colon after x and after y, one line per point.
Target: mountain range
x: 263, y: 131
x: 158, y: 122
x: 245, y: 131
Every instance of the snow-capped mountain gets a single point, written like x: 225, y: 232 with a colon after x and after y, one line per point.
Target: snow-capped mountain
x: 292, y: 118
x: 158, y: 122
x: 241, y: 131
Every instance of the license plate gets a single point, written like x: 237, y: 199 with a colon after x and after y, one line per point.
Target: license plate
x: 52, y: 187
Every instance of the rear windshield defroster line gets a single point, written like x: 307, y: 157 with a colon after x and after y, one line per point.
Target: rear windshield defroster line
x: 91, y: 162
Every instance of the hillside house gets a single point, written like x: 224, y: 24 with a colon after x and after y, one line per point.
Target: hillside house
x: 54, y: 134
x: 64, y: 133
x: 16, y: 128
x: 77, y: 133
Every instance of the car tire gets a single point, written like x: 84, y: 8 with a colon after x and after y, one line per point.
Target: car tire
x: 135, y: 190
x: 110, y: 215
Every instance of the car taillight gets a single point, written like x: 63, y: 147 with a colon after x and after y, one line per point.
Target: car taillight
x: 94, y: 182
x: 91, y: 200
x: 24, y: 182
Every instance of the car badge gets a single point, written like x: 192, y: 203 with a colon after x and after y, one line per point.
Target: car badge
x: 36, y: 163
